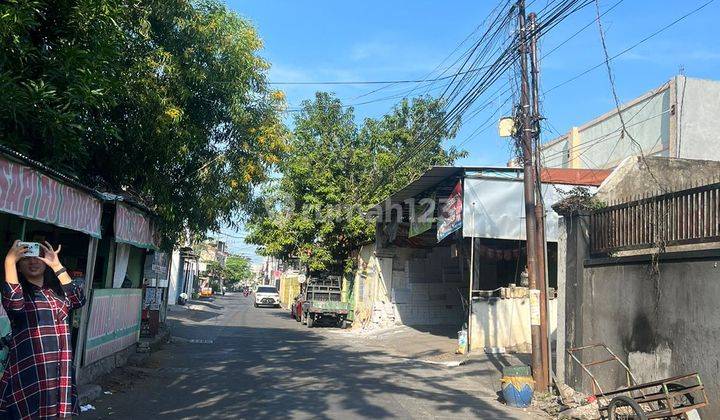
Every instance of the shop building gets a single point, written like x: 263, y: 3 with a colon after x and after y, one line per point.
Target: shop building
x: 121, y: 290
x: 423, y: 272
x: 105, y: 242
x: 39, y: 204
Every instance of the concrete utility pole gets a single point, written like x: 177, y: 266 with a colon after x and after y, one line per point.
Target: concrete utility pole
x: 526, y: 138
x: 541, y: 248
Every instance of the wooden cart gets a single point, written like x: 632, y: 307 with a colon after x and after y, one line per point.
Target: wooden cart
x: 670, y: 398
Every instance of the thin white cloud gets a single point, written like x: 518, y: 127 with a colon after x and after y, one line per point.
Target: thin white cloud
x: 671, y: 54
x: 372, y: 49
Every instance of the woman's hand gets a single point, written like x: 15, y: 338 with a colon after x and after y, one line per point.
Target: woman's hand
x: 51, y: 256
x: 15, y: 253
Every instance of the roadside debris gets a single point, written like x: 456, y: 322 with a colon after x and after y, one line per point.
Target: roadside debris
x: 683, y: 394
x: 573, y: 405
x: 582, y: 412
x: 87, y: 407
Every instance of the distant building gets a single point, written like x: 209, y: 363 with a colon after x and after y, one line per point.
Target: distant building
x: 678, y: 119
x: 210, y: 252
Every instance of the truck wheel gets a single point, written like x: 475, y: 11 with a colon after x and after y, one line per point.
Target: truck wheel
x: 310, y: 321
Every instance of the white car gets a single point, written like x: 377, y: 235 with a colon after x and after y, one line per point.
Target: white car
x: 267, y: 296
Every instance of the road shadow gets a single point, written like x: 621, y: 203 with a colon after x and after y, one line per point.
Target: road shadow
x: 282, y: 371
x: 285, y: 314
x: 447, y: 331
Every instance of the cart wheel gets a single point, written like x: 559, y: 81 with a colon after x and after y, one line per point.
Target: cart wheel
x: 625, y: 408
x: 678, y: 401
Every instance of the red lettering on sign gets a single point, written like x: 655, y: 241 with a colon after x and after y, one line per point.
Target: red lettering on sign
x: 26, y: 192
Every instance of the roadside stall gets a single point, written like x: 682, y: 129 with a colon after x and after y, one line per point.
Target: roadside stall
x: 115, y: 306
x: 40, y: 204
x: 450, y: 253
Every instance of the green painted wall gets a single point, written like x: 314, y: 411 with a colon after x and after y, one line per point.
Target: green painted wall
x: 136, y: 263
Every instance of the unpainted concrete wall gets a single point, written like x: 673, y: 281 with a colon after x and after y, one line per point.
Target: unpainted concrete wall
x: 698, y: 103
x: 105, y: 365
x: 674, y: 318
x: 636, y: 177
x: 601, y: 143
x: 678, y: 119
x: 661, y: 325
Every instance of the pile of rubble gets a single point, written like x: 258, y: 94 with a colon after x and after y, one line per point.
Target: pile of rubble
x: 568, y: 405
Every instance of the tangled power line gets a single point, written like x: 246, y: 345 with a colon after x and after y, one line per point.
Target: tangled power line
x: 470, y: 85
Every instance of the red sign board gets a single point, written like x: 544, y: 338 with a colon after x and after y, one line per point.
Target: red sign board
x: 28, y: 193
x: 134, y: 228
x: 450, y: 218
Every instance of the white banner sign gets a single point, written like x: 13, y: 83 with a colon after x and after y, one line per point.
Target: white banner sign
x: 495, y: 208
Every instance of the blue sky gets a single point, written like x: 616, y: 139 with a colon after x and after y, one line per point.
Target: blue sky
x: 326, y: 40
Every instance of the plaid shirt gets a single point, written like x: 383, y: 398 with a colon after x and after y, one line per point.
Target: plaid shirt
x: 38, y: 382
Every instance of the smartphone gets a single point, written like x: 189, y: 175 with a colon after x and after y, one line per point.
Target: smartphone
x: 33, y: 248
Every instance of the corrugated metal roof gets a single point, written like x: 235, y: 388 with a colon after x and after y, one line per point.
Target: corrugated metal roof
x: 437, y: 174
x: 430, y: 179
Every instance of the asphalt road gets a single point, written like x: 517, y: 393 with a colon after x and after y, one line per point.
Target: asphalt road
x: 231, y: 360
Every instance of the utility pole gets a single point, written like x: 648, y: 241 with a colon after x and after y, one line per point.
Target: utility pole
x: 541, y: 248
x: 526, y: 139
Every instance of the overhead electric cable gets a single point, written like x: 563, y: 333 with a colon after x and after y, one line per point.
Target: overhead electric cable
x: 628, y: 49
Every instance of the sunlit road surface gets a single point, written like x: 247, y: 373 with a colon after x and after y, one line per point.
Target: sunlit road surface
x: 231, y: 360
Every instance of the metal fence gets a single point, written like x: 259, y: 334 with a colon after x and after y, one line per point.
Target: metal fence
x: 677, y: 218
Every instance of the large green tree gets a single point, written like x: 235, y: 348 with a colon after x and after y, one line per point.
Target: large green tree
x: 238, y: 269
x: 333, y: 164
x: 163, y: 100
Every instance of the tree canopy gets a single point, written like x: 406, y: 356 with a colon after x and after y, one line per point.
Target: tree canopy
x: 237, y: 270
x: 332, y: 164
x: 163, y: 100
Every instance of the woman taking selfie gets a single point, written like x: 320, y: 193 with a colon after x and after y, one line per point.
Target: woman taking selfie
x: 38, y: 295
